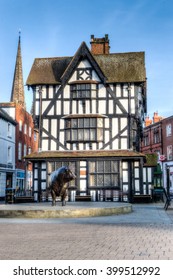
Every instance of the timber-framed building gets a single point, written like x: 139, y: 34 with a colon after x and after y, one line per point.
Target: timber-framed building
x: 89, y: 110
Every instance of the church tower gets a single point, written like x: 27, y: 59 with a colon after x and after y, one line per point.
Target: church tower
x: 17, y: 93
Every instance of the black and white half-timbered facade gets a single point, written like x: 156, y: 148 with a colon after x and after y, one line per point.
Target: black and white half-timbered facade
x: 89, y: 110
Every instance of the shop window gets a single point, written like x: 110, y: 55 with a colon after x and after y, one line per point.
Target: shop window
x: 104, y: 174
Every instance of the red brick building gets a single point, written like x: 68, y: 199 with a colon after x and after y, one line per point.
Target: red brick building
x: 152, y: 135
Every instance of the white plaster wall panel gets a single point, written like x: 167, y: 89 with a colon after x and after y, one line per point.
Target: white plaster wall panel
x: 67, y: 92
x: 68, y: 146
x: 123, y: 123
x: 44, y: 105
x: 88, y: 107
x: 46, y: 124
x: 102, y: 91
x: 125, y: 91
x: 118, y: 90
x: 124, y: 102
x: 114, y: 127
x: 95, y: 76
x: 54, y: 127
x: 94, y: 146
x: 62, y: 123
x: 118, y: 110
x: 106, y: 136
x: 107, y: 147
x: 84, y: 64
x: 51, y: 111
x: 74, y: 147
x: 74, y: 106
x: 132, y: 106
x: 73, y: 77
x: 115, y: 144
x: 106, y: 123
x: 102, y: 107
x: 80, y: 107
x: 123, y: 143
x: 111, y: 106
x: 124, y: 165
x: 66, y: 107
x: 43, y: 92
x: 80, y: 146
x: 44, y: 134
x: 37, y: 108
x: 132, y: 90
x: 53, y: 145
x: 93, y: 106
x: 61, y: 137
x: 44, y: 144
x: 50, y: 92
x: 37, y: 95
x: 124, y: 133
x: 58, y: 107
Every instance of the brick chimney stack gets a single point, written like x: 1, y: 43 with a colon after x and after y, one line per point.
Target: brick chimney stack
x: 100, y: 45
x: 147, y: 121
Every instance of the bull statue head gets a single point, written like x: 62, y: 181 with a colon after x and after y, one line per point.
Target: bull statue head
x: 58, y: 183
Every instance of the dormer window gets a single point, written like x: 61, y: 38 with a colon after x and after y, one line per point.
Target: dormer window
x: 83, y: 90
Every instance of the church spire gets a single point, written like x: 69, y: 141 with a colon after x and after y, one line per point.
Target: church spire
x: 17, y: 93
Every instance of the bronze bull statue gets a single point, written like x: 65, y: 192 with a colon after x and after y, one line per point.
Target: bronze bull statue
x: 58, y: 183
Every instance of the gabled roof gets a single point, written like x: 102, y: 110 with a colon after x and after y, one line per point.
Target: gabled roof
x: 116, y: 67
x: 4, y: 115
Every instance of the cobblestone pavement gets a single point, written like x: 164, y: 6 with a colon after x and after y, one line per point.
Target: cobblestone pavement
x: 144, y: 234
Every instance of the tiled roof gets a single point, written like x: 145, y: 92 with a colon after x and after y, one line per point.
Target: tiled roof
x: 117, y: 67
x: 84, y: 154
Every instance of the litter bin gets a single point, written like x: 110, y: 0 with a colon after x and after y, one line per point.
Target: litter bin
x: 9, y: 196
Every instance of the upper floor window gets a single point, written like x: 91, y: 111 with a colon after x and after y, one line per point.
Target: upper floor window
x: 83, y: 91
x: 19, y: 151
x: 20, y: 125
x: 24, y: 150
x: 9, y: 130
x: 84, y: 129
x: 156, y: 136
x: 25, y: 128
x: 146, y: 140
x: 9, y: 154
x: 168, y: 130
x: 30, y: 131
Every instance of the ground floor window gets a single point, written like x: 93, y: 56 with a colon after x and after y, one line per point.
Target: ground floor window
x: 103, y: 174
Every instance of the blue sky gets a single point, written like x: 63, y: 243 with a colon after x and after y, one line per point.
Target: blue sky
x: 51, y: 28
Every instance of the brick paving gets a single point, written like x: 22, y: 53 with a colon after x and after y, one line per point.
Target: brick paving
x: 144, y: 234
